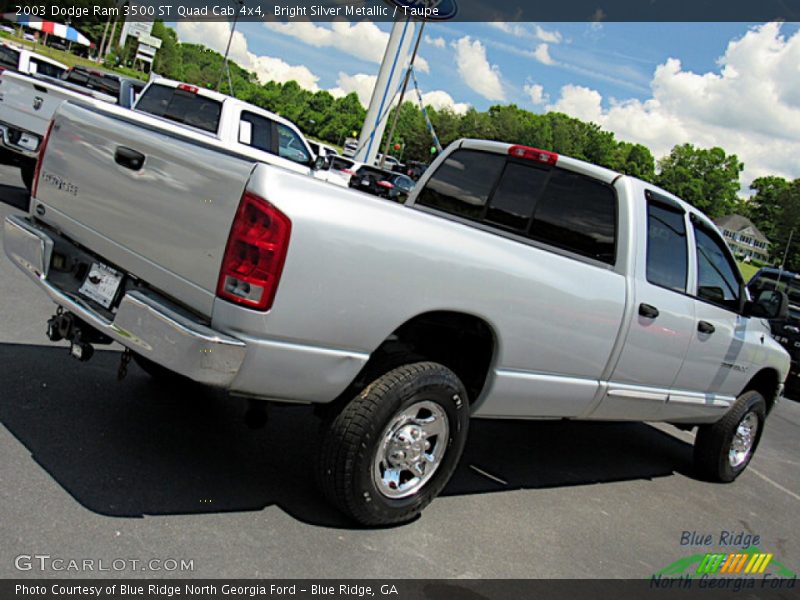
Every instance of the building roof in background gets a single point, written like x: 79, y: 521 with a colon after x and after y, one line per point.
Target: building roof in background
x: 739, y: 223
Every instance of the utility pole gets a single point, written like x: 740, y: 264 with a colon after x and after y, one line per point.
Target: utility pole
x: 402, y: 96
x: 785, y: 255
x: 227, y: 50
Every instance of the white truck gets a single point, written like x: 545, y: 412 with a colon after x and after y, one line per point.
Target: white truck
x: 514, y: 283
x: 240, y: 126
x: 17, y: 58
x: 27, y: 103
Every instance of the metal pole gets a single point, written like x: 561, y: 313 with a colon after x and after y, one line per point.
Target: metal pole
x: 402, y: 96
x: 228, y: 48
x: 785, y: 254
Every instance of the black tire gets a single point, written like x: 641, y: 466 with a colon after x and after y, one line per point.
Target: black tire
x: 27, y: 171
x: 713, y: 442
x: 160, y: 374
x: 353, y: 438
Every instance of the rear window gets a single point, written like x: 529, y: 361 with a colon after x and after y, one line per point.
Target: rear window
x: 340, y: 163
x: 181, y: 106
x: 9, y: 57
x: 378, y: 174
x: 546, y: 204
x: 94, y: 80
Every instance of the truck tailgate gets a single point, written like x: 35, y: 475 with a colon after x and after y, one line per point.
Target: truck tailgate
x: 166, y: 222
x: 26, y: 103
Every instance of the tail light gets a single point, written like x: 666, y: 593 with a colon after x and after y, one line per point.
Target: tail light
x: 534, y: 154
x: 255, y: 253
x: 37, y: 170
x: 193, y: 89
x: 348, y: 172
x: 385, y: 184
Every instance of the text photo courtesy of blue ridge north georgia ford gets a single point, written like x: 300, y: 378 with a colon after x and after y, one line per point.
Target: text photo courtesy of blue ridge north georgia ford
x: 408, y: 293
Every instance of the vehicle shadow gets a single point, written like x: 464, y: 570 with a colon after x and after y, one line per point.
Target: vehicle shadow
x: 135, y: 448
x: 17, y: 197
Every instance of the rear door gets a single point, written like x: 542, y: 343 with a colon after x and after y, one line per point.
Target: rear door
x: 663, y: 318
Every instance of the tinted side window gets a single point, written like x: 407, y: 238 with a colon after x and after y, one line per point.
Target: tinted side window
x: 667, y: 253
x: 462, y: 184
x: 261, y: 133
x: 515, y: 197
x: 577, y: 214
x: 716, y: 279
x: 45, y: 68
x: 290, y: 146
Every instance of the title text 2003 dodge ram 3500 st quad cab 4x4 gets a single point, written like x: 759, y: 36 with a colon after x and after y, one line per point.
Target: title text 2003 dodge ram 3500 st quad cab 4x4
x: 514, y: 283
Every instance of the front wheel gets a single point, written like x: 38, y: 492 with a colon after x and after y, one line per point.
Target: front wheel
x: 394, y: 447
x: 723, y: 449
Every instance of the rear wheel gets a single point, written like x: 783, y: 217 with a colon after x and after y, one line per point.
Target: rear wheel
x: 393, y: 448
x: 723, y: 449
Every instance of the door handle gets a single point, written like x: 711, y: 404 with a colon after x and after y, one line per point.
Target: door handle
x: 129, y: 158
x: 648, y: 311
x: 705, y: 327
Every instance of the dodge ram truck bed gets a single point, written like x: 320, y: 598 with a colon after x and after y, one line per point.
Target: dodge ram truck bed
x: 514, y: 283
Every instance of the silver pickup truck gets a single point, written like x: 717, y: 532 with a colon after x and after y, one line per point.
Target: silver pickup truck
x: 514, y: 283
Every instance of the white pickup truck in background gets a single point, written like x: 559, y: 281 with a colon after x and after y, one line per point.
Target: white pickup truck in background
x: 28, y: 102
x: 513, y: 283
x: 240, y: 126
x: 17, y: 58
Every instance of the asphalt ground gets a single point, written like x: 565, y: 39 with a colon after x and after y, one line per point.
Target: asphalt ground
x: 91, y: 468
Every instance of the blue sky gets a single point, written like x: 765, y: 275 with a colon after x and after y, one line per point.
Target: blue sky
x: 735, y: 85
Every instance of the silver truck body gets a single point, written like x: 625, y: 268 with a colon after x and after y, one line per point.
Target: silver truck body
x: 568, y: 341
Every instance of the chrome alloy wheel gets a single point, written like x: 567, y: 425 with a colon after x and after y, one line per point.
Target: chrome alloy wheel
x: 410, y: 450
x: 743, y: 440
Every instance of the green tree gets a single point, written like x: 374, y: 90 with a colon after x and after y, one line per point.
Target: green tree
x: 706, y: 178
x: 764, y: 207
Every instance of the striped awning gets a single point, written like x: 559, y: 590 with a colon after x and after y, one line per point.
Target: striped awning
x: 66, y: 32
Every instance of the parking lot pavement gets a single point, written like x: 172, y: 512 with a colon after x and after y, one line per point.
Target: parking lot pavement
x: 97, y: 469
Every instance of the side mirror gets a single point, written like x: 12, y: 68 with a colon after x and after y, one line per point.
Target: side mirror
x: 322, y: 163
x: 770, y: 304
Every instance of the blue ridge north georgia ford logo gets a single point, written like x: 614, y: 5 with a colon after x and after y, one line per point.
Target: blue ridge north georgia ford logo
x: 446, y: 9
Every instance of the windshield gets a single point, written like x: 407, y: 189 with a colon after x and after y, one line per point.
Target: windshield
x: 9, y: 57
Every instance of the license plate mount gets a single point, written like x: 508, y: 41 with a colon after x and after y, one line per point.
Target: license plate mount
x: 101, y: 284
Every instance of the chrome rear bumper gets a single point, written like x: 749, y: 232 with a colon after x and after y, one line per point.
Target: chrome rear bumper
x: 143, y: 324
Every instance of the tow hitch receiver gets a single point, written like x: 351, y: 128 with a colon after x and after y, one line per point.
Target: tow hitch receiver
x: 66, y: 326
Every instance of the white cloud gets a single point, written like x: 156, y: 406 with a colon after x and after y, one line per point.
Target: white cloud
x: 363, y: 84
x: 438, y: 42
x: 362, y: 39
x: 554, y: 37
x: 360, y: 83
x: 441, y: 100
x: 476, y: 71
x: 542, y: 54
x: 536, y: 93
x: 215, y: 34
x: 536, y: 32
x: 749, y: 107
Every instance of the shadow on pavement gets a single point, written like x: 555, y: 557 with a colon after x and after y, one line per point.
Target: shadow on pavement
x: 17, y: 197
x: 132, y: 449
